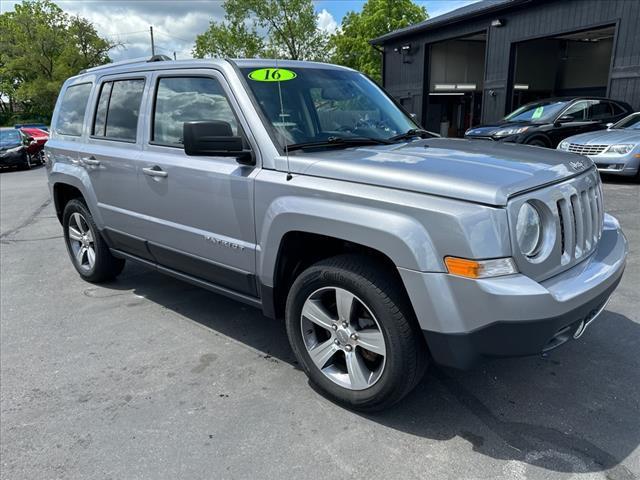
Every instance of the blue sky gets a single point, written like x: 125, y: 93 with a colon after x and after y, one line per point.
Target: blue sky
x: 338, y: 8
x: 177, y: 22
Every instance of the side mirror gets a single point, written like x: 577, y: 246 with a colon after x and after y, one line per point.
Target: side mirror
x: 214, y: 138
x: 565, y: 119
x: 609, y: 125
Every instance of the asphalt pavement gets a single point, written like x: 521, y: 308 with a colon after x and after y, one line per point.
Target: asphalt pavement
x: 151, y: 378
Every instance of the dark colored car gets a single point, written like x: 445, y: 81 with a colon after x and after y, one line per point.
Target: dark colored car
x: 546, y: 123
x: 13, y: 148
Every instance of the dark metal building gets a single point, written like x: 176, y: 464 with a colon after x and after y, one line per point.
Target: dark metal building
x: 477, y: 63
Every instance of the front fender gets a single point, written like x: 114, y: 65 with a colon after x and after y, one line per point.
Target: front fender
x: 400, y: 237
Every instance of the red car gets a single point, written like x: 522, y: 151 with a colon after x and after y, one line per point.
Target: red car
x: 36, y: 148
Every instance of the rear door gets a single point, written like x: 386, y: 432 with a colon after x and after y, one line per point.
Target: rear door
x: 110, y: 157
x: 197, y: 211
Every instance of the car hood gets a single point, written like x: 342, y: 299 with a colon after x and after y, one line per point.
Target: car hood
x: 7, y: 144
x: 483, y: 172
x: 488, y: 130
x: 606, y: 137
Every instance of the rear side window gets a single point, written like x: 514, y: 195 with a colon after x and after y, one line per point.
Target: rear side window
x: 184, y: 99
x: 118, y: 110
x: 617, y: 109
x: 72, y: 109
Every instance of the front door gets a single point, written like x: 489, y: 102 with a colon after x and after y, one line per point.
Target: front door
x: 197, y: 211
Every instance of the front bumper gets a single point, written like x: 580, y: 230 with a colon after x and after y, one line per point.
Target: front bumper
x: 11, y: 158
x: 627, y: 165
x: 464, y: 320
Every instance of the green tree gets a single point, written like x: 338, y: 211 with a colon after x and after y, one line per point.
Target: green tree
x: 289, y: 27
x: 40, y: 47
x: 350, y: 46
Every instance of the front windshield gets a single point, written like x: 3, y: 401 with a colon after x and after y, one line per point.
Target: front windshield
x: 537, y: 112
x: 632, y: 122
x: 320, y: 103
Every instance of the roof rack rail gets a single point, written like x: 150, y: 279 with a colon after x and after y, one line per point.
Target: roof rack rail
x: 131, y: 61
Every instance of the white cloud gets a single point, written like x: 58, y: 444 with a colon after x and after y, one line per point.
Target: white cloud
x: 175, y: 22
x: 326, y: 22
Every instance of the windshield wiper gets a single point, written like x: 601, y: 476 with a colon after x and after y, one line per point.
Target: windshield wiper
x: 339, y: 141
x: 414, y: 132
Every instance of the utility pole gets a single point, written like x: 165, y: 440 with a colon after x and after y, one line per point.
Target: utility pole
x: 153, y: 47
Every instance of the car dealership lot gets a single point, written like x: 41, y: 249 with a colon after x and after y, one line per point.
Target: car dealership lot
x: 148, y: 377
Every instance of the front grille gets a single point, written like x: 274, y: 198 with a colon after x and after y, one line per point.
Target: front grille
x: 580, y: 216
x: 586, y: 149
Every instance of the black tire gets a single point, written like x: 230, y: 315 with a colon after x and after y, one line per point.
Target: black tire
x: 406, y: 356
x: 537, y: 142
x: 106, y: 267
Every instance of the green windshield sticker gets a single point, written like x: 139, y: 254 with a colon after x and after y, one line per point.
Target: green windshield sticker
x: 272, y: 75
x: 537, y: 113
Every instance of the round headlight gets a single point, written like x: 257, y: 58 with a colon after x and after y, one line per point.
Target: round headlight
x: 528, y: 229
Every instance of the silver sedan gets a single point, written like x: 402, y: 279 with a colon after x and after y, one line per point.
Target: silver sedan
x: 615, y: 150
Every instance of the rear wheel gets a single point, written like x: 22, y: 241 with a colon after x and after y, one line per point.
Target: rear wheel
x: 89, y: 253
x: 354, y: 333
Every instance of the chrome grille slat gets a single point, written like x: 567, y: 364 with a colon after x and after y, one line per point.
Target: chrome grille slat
x: 586, y: 149
x: 594, y: 215
x: 567, y: 230
x: 586, y: 219
x: 578, y: 224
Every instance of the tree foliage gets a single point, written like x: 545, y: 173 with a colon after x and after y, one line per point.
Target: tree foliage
x: 351, y: 46
x: 41, y: 46
x: 264, y: 28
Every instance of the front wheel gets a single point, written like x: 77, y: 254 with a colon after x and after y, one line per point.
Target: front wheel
x: 89, y: 253
x: 354, y: 333
x: 536, y: 142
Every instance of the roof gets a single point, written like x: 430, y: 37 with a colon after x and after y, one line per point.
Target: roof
x: 272, y: 62
x: 459, y: 14
x: 157, y: 63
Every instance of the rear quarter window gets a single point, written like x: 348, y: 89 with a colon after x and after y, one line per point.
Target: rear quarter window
x: 72, y: 110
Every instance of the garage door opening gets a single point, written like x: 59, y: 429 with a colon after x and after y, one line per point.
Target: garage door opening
x: 456, y: 73
x: 571, y: 64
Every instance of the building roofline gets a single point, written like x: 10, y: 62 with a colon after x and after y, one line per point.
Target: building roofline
x: 484, y: 7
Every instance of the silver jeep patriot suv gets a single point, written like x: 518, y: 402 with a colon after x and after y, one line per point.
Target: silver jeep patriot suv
x: 303, y: 189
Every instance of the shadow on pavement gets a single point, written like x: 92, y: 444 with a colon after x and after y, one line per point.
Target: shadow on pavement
x: 576, y: 410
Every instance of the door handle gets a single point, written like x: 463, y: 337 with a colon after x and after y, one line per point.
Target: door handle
x: 154, y: 171
x: 90, y: 161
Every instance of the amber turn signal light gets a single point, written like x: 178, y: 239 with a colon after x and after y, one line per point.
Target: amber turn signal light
x: 463, y: 267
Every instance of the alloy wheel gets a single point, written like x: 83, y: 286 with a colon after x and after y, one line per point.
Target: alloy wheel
x: 343, y: 338
x: 82, y: 242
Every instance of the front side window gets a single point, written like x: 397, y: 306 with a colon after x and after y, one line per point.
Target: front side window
x: 118, y: 110
x: 186, y: 99
x: 72, y: 110
x: 315, y: 104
